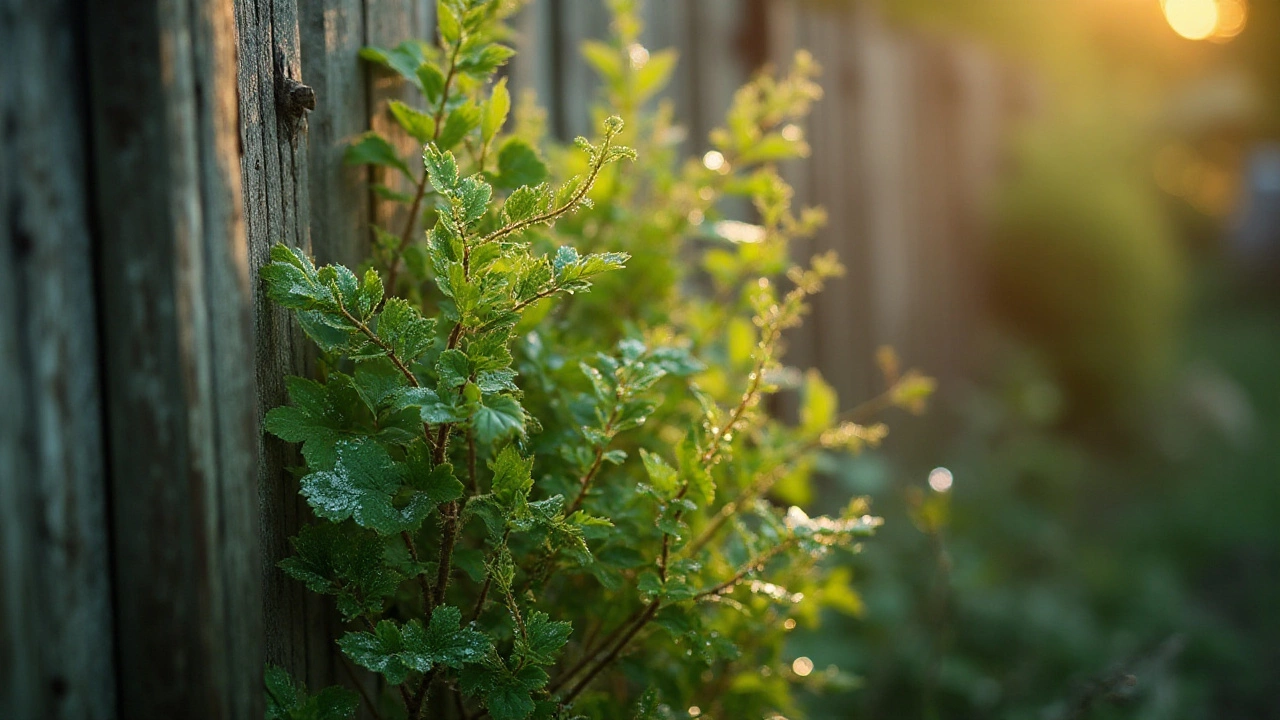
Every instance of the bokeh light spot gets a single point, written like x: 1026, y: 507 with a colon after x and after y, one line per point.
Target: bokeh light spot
x: 940, y: 479
x: 1232, y: 17
x: 1192, y: 19
x: 802, y: 666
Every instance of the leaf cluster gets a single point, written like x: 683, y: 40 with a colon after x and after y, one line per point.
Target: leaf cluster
x: 545, y: 484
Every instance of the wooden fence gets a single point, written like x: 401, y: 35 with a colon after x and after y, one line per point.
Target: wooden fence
x: 149, y: 162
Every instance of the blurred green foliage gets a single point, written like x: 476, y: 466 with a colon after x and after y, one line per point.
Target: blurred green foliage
x: 1070, y: 578
x: 1108, y: 547
x: 1083, y: 263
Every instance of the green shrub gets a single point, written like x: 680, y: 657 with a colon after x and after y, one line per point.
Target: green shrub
x: 1084, y: 264
x: 539, y: 501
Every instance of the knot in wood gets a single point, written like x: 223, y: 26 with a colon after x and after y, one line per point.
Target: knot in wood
x: 298, y: 98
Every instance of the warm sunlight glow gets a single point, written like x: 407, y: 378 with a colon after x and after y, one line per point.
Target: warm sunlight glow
x: 1232, y: 16
x: 802, y: 666
x: 1192, y: 19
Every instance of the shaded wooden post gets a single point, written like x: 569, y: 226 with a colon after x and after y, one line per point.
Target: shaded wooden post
x: 178, y: 392
x: 331, y: 34
x: 275, y: 170
x: 56, y: 645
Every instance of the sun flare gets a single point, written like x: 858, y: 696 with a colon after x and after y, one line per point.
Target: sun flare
x: 1192, y: 19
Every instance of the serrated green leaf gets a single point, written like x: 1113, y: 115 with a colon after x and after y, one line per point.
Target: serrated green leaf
x: 662, y: 476
x: 431, y: 80
x: 495, y: 111
x: 403, y: 328
x: 418, y: 124
x: 373, y: 149
x: 518, y: 164
x: 448, y: 22
x: 499, y: 417
x: 525, y: 202
x: 505, y: 694
x: 287, y: 701
x: 361, y: 486
x: 565, y: 257
x: 294, y: 282
x: 545, y: 638
x: 462, y: 120
x: 473, y: 198
x: 379, y: 384
x: 452, y: 369
x: 485, y: 60
x: 395, y: 651
x: 702, y: 489
x: 442, y: 168
x: 492, y: 381
x: 319, y: 416
x: 431, y: 406
x: 512, y: 478
x: 344, y: 561
x: 404, y: 59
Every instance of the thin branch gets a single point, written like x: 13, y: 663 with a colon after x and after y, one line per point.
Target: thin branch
x: 412, y: 220
x: 449, y: 536
x: 589, y: 655
x: 364, y: 692
x: 554, y: 213
x: 488, y: 581
x: 422, y: 579
x: 384, y: 345
x: 584, y: 484
x: 744, y: 571
x: 604, y: 662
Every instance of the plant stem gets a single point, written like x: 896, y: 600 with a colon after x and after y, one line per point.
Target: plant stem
x: 412, y: 220
x: 585, y: 483
x: 604, y: 662
x: 590, y: 654
x: 422, y: 579
x: 364, y: 692
x: 554, y: 213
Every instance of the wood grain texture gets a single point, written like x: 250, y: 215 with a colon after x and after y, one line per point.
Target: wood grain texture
x: 56, y: 647
x: 331, y: 34
x: 276, y: 191
x: 175, y: 338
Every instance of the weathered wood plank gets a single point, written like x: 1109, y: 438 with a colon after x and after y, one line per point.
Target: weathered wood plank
x: 179, y: 407
x: 56, y: 652
x: 387, y: 24
x: 331, y: 34
x: 276, y: 182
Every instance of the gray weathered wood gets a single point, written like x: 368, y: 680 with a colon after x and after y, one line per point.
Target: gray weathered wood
x: 331, y: 34
x: 275, y: 172
x: 56, y: 649
x: 175, y: 343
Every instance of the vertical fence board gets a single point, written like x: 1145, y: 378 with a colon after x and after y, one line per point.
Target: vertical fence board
x: 56, y: 649
x: 387, y: 24
x: 331, y: 34
x: 276, y: 205
x: 179, y: 410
